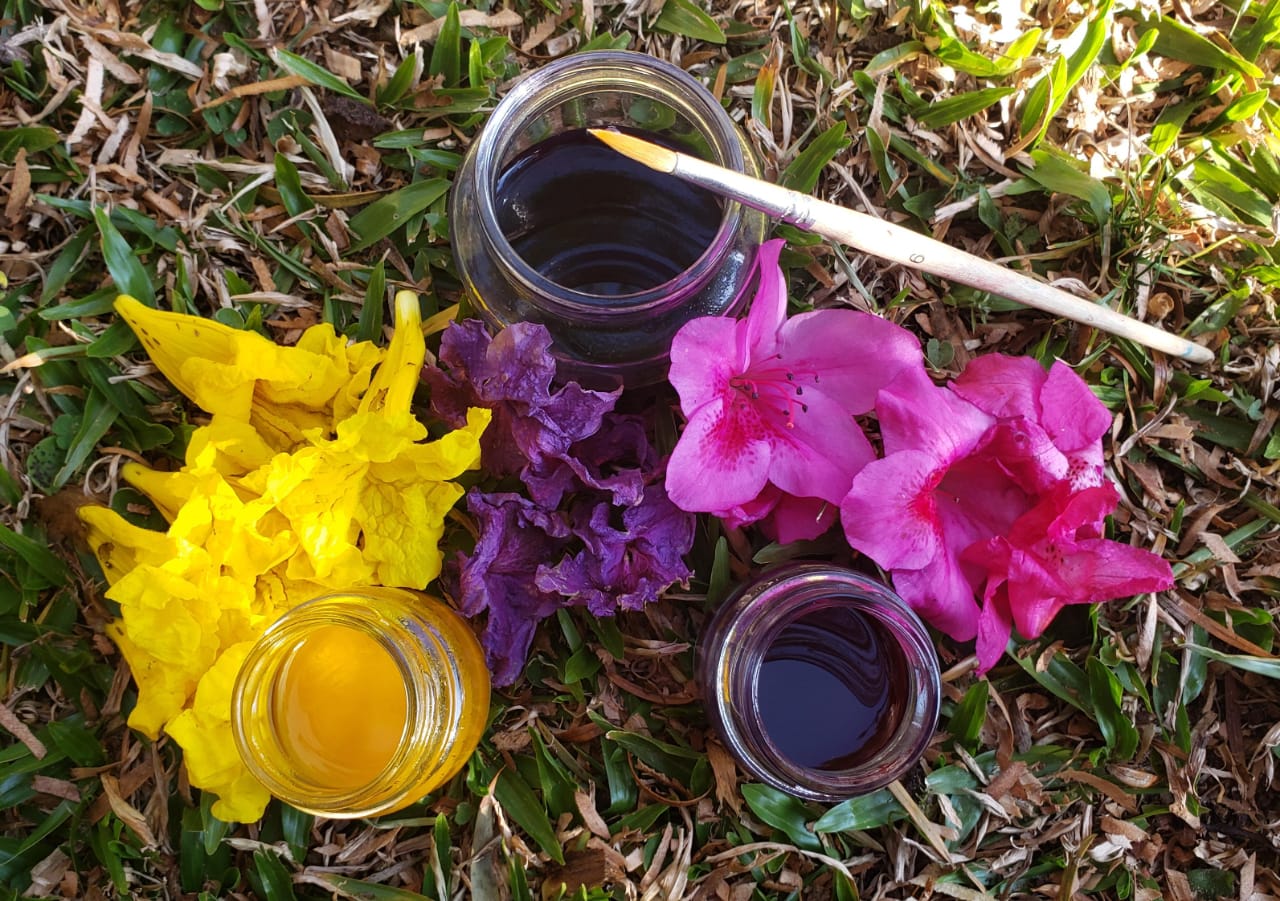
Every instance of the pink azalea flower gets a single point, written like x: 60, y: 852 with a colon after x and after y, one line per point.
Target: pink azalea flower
x: 770, y: 404
x: 1050, y: 422
x: 1055, y: 555
x: 936, y: 491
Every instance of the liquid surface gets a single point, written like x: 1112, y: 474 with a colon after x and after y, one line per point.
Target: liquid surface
x: 831, y: 690
x: 341, y: 706
x: 590, y: 219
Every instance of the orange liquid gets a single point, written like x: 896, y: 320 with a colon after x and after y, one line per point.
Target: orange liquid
x: 341, y: 707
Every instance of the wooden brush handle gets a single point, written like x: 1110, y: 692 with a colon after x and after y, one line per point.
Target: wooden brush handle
x: 901, y: 245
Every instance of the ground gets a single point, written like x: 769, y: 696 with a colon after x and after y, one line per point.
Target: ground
x: 211, y: 156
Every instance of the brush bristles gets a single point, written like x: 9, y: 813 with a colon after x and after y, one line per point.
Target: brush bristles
x: 651, y: 155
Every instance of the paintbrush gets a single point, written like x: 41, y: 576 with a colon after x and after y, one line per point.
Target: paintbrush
x: 897, y: 244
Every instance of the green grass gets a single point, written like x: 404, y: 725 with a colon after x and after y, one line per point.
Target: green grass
x: 1141, y: 162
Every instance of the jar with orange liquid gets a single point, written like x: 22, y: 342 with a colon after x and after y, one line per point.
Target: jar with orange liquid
x: 360, y: 703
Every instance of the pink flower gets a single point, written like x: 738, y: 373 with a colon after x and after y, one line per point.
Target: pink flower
x: 1049, y: 422
x: 1055, y: 555
x: 770, y: 404
x: 936, y: 491
x: 994, y: 488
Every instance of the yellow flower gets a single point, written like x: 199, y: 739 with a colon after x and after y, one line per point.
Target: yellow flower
x: 313, y: 476
x: 282, y: 391
x: 208, y: 745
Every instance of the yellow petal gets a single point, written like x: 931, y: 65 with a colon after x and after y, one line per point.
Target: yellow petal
x: 119, y: 545
x: 397, y: 378
x: 162, y: 689
x: 208, y: 745
x: 402, y: 524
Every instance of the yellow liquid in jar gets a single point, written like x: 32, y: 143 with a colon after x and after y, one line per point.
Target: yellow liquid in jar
x: 341, y: 707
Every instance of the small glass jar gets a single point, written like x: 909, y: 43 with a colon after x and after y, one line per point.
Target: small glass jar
x: 360, y: 703
x: 821, y: 682
x: 614, y: 333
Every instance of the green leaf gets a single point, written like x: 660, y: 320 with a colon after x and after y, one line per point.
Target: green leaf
x: 289, y: 184
x: 446, y: 57
x: 863, y: 812
x: 317, y: 75
x: 523, y: 806
x: 345, y: 887
x: 967, y: 719
x: 802, y: 175
x: 375, y: 299
x: 1056, y: 172
x: 382, y: 217
x: 782, y: 812
x: 664, y: 757
x: 1262, y: 666
x: 402, y: 82
x: 1106, y: 693
x: 99, y: 415
x: 888, y: 60
x: 277, y: 885
x: 35, y: 138
x: 122, y: 262
x: 36, y: 555
x: 954, y: 109
x: 687, y: 18
x: 1181, y: 42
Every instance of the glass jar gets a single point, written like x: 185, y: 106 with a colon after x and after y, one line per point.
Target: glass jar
x: 821, y: 682
x: 605, y: 328
x: 360, y: 703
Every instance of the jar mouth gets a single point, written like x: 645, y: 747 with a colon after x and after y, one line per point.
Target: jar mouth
x: 782, y: 602
x: 259, y: 728
x: 571, y: 79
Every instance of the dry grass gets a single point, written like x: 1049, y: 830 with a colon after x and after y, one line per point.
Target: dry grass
x: 231, y: 178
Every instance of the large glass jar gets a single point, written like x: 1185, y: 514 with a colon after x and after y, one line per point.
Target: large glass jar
x: 360, y: 703
x: 821, y: 682
x: 604, y: 328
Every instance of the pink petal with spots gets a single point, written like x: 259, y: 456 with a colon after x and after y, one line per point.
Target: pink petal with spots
x: 853, y: 355
x: 821, y: 451
x: 916, y: 414
x: 889, y: 513
x: 1071, y: 414
x: 700, y: 367
x: 720, y: 460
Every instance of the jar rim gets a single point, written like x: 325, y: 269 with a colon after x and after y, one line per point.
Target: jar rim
x: 571, y: 77
x: 266, y: 659
x: 762, y: 612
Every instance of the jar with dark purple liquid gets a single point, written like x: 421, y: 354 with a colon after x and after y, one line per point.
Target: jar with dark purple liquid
x: 821, y: 682
x: 550, y: 225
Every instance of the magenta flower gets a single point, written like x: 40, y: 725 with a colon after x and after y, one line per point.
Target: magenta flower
x: 1055, y: 555
x: 1050, y: 422
x: 934, y: 493
x: 770, y: 404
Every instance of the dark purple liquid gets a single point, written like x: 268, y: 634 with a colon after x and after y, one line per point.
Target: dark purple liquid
x: 590, y: 219
x: 832, y: 689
